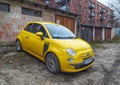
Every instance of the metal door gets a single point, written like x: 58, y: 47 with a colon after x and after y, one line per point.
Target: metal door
x: 87, y: 33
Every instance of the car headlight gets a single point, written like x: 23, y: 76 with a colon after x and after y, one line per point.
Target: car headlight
x: 71, y: 52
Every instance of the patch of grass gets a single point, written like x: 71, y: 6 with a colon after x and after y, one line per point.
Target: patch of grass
x: 95, y: 44
x: 1, y: 43
x: 98, y: 44
x: 114, y: 40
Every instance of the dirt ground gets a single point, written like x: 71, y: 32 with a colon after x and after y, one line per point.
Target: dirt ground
x: 23, y: 69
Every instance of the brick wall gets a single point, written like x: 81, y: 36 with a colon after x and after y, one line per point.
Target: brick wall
x: 12, y: 22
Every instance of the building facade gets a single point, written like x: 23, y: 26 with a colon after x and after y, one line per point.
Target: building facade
x: 96, y: 20
x: 14, y: 14
x: 88, y: 19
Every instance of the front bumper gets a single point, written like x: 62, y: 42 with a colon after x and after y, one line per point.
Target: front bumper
x: 81, y: 65
x: 78, y: 64
x: 77, y: 68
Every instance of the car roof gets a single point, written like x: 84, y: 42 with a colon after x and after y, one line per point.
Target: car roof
x: 38, y: 22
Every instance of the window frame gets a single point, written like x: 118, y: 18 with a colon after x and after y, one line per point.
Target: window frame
x: 6, y: 5
x: 31, y: 12
x: 31, y: 29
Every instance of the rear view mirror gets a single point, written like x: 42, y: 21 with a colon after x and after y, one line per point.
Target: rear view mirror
x: 40, y: 34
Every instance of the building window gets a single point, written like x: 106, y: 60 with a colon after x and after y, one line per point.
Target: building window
x: 31, y: 12
x: 93, y: 21
x: 105, y: 10
x: 97, y: 6
x: 100, y: 8
x: 94, y: 5
x: 85, y: 1
x: 84, y: 10
x: 89, y: 11
x: 47, y: 2
x: 79, y: 7
x: 109, y: 12
x: 90, y: 3
x: 85, y: 18
x: 97, y: 21
x: 89, y: 20
x: 65, y: 8
x: 94, y: 13
x: 97, y: 14
x: 4, y: 7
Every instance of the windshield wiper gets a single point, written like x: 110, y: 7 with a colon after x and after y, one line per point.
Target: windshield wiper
x: 58, y: 37
x: 70, y: 37
x: 64, y: 37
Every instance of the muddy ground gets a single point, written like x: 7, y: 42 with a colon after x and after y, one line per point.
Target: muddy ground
x: 23, y: 69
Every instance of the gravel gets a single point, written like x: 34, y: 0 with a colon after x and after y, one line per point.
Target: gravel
x: 24, y: 69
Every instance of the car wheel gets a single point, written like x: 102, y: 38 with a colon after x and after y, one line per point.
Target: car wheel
x: 52, y: 63
x: 18, y: 46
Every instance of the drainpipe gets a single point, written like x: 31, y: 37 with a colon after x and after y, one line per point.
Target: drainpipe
x: 76, y: 24
x: 93, y: 33
x: 103, y: 33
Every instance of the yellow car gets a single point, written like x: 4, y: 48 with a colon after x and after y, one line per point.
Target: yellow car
x: 55, y: 45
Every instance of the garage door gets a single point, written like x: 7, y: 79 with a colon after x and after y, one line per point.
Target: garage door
x: 66, y: 21
x: 107, y: 34
x: 87, y: 33
x: 98, y: 34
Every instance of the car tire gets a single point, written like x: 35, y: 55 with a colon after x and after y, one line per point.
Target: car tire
x: 52, y: 63
x: 18, y: 46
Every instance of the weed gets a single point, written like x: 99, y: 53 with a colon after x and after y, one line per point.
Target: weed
x: 114, y: 40
x: 95, y: 44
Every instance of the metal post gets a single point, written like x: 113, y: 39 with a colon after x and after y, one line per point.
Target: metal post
x: 66, y: 6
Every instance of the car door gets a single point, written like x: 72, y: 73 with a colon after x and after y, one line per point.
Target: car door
x: 36, y: 44
x: 25, y: 36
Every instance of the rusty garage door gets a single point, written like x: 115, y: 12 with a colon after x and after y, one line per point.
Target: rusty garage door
x: 66, y: 21
x: 87, y: 33
x: 98, y: 34
x: 107, y: 34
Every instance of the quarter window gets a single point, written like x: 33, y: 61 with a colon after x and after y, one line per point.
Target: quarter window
x: 28, y: 27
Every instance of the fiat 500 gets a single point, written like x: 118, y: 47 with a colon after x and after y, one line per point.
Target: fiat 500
x: 55, y: 45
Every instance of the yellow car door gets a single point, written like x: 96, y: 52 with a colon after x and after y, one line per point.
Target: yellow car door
x: 26, y: 33
x: 36, y: 43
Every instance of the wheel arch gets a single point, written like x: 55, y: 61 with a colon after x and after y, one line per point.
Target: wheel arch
x: 49, y: 53
x: 55, y: 56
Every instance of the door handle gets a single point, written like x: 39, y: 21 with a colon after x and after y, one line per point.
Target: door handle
x: 27, y: 37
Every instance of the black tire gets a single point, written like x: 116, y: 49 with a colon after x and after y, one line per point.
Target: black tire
x: 18, y: 46
x: 52, y: 63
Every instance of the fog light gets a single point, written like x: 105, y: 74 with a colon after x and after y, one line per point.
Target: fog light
x: 70, y: 59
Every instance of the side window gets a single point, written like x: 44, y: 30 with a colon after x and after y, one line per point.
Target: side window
x: 28, y: 27
x: 39, y: 28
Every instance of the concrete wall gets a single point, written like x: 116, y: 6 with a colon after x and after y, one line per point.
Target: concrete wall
x: 117, y: 31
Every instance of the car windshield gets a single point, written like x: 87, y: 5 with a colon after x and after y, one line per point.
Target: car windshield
x: 59, y: 31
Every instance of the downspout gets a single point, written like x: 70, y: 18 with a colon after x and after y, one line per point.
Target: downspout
x: 103, y: 33
x: 93, y: 33
x: 76, y: 24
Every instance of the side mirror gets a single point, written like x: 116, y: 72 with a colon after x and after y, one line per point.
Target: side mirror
x: 40, y: 34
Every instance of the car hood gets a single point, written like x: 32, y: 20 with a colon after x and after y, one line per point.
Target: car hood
x: 76, y: 44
